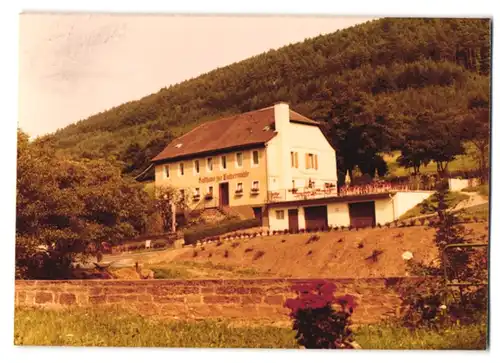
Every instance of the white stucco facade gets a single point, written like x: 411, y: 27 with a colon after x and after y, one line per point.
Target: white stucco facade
x: 287, y: 171
x: 387, y: 210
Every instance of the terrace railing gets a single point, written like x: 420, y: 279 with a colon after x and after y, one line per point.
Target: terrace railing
x: 318, y: 193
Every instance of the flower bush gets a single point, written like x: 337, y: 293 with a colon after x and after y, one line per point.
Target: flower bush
x: 318, y: 323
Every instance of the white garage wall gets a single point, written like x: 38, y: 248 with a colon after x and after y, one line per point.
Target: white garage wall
x: 404, y: 201
x: 338, y: 215
x: 384, y: 211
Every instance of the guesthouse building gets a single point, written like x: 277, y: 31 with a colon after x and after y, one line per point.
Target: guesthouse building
x: 274, y: 164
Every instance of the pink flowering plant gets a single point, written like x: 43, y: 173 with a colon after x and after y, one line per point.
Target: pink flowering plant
x: 321, y: 320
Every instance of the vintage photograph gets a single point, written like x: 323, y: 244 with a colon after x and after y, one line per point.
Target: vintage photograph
x: 286, y: 182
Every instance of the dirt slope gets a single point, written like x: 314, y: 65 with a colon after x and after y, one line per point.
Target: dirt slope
x: 335, y: 254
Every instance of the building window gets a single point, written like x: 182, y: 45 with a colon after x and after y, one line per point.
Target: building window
x: 239, y: 188
x: 181, y: 168
x: 255, y: 187
x: 311, y: 161
x: 223, y: 162
x: 239, y: 160
x: 280, y: 214
x: 166, y: 171
x: 295, y: 159
x: 210, y: 164
x: 196, y: 195
x: 255, y: 157
x: 210, y: 193
x: 196, y: 166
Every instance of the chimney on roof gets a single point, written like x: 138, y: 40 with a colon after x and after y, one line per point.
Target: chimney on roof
x: 281, y: 117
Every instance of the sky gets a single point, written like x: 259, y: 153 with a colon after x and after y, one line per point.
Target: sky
x: 72, y: 66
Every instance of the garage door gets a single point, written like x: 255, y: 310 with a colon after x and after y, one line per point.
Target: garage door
x: 316, y: 217
x: 362, y: 214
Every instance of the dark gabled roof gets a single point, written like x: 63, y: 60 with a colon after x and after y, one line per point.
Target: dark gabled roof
x: 239, y: 131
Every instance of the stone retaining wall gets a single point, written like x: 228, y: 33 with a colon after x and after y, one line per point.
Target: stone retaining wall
x: 244, y: 299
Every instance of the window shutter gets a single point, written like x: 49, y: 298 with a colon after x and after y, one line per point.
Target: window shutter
x: 292, y: 158
x: 296, y: 160
x: 307, y: 161
x: 315, y: 161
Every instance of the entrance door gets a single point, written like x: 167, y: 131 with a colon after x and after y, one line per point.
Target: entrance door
x: 223, y: 194
x: 293, y: 220
x: 257, y: 213
x: 316, y: 217
x: 362, y: 214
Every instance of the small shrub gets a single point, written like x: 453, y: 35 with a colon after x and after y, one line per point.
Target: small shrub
x: 361, y: 244
x: 379, y: 225
x: 203, y: 248
x: 258, y: 255
x: 374, y: 255
x: 210, y: 255
x: 309, y: 253
x: 248, y: 250
x: 268, y: 233
x: 387, y: 225
x: 318, y: 325
x: 313, y: 238
x: 286, y: 231
x: 195, y: 253
x: 235, y: 244
x: 218, y: 244
x: 336, y: 228
x: 413, y: 222
x: 340, y: 240
x: 302, y: 230
x: 226, y: 253
x: 283, y: 240
x: 197, y: 233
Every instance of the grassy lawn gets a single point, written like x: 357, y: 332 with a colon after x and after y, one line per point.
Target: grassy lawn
x: 428, y: 205
x: 471, y: 337
x: 483, y: 190
x: 479, y: 211
x: 188, y: 269
x: 107, y: 327
x: 462, y: 162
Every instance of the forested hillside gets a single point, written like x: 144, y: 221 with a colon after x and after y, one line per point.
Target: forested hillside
x: 373, y: 84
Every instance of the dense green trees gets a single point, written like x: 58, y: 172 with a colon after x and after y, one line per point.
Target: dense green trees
x: 378, y: 76
x: 67, y: 208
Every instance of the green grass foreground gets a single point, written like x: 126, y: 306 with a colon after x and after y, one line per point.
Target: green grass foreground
x: 107, y: 327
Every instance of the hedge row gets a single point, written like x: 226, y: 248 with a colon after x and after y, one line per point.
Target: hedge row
x: 196, y: 234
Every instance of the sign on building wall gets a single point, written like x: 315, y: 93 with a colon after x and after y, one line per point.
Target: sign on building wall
x: 218, y: 178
